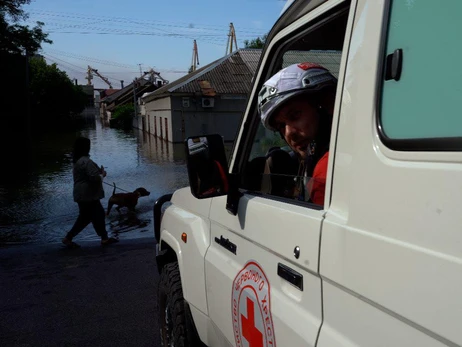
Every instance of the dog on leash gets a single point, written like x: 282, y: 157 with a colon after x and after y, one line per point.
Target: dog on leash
x: 128, y: 200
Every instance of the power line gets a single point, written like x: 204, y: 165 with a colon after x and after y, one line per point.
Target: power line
x: 76, y: 74
x: 135, y: 72
x: 104, y: 62
x: 54, y: 60
x: 130, y: 29
x: 118, y: 20
x: 106, y: 31
x: 90, y: 59
x: 215, y: 42
x: 78, y: 24
x: 211, y: 38
x: 64, y: 64
x: 215, y: 35
x: 48, y: 55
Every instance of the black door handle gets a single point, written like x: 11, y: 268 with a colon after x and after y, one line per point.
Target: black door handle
x: 226, y: 244
x: 291, y: 275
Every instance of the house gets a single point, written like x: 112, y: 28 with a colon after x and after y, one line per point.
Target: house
x: 103, y: 102
x: 208, y: 100
x: 212, y: 99
x: 127, y: 95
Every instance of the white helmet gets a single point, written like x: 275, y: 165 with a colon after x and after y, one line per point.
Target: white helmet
x: 293, y: 80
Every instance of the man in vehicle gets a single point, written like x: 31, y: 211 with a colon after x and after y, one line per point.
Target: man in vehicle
x: 298, y: 103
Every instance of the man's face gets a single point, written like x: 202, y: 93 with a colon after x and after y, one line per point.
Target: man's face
x: 297, y: 122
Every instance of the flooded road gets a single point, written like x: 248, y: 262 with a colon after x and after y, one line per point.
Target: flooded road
x: 36, y: 204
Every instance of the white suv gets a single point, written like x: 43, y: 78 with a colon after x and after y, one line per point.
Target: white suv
x: 380, y: 262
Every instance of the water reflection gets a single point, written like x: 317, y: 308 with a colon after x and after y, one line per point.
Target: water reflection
x: 36, y: 203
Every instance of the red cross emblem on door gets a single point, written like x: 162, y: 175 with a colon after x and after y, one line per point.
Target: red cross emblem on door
x: 250, y: 332
x: 251, y: 308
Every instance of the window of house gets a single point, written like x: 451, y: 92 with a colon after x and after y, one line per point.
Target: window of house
x: 421, y: 110
x: 273, y: 169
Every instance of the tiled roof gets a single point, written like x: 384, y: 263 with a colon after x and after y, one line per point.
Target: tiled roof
x: 119, y: 92
x: 231, y: 74
x: 109, y: 92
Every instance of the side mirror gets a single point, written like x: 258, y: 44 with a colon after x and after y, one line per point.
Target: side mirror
x: 207, y: 166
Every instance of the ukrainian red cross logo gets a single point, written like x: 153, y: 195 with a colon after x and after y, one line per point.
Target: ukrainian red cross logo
x: 252, y: 321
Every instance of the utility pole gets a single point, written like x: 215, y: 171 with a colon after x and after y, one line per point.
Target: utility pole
x: 141, y: 71
x: 134, y: 96
x: 231, y: 39
x: 195, y: 58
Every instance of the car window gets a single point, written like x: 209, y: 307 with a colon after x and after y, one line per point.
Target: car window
x: 273, y: 169
x: 424, y: 103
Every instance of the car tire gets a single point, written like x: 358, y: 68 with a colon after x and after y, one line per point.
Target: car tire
x: 175, y: 330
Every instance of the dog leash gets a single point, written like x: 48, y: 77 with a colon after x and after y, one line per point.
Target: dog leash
x: 112, y: 185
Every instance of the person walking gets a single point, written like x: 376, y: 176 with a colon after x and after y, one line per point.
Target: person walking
x: 88, y: 192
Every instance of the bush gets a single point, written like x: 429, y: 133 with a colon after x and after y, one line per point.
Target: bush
x: 122, y: 116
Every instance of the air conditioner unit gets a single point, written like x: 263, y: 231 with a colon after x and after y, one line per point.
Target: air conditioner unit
x: 208, y: 102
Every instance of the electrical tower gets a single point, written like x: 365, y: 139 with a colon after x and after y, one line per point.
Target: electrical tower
x: 195, y: 58
x: 231, y: 39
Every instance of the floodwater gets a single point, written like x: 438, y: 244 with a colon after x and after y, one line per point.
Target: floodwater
x: 36, y: 204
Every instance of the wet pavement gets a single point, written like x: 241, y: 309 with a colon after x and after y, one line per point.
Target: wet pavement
x: 92, y: 296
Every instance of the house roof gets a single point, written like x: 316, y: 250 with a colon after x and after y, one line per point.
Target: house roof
x: 109, y: 92
x: 231, y: 74
x: 120, y: 92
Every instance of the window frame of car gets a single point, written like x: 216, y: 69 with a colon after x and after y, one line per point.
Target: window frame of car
x: 252, y: 123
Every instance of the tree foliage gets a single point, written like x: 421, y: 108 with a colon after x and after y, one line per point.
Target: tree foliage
x: 259, y: 42
x: 122, y: 116
x: 45, y: 95
x: 19, y: 39
x: 16, y: 38
x: 54, y: 99
x: 12, y: 8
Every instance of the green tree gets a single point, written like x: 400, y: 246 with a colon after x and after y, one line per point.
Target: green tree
x: 15, y: 38
x: 13, y: 9
x: 256, y: 43
x: 122, y: 116
x: 54, y: 98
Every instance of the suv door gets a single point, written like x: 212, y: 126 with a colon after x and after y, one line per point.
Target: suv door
x: 263, y: 284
